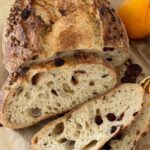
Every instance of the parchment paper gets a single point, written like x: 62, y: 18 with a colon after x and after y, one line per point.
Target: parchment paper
x: 20, y: 139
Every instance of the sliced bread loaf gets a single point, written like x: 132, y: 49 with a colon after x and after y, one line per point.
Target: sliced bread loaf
x: 92, y: 124
x: 128, y: 139
x: 40, y: 29
x: 52, y: 88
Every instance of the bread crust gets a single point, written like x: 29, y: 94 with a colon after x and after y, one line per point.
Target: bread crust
x: 24, y: 74
x: 40, y: 29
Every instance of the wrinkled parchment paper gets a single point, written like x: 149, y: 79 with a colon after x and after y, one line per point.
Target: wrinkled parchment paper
x: 20, y: 139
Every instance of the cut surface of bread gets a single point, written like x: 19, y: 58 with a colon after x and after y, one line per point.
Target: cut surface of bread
x: 52, y: 88
x: 129, y: 138
x: 40, y: 29
x: 92, y: 124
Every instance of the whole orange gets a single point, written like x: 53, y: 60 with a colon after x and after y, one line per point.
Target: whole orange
x: 136, y: 17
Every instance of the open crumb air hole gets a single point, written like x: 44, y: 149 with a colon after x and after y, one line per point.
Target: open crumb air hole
x: 70, y: 145
x: 34, y: 112
x: 49, y: 84
x: 62, y: 140
x: 45, y: 144
x: 58, y: 129
x: 79, y: 126
x: 54, y: 92
x: 67, y: 88
x: 74, y: 80
x: 36, y: 140
x: 87, y: 125
x: 92, y: 83
x: 98, y: 111
x: 105, y: 75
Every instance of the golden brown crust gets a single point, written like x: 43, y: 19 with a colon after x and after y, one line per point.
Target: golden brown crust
x: 39, y: 29
x: 72, y: 60
x: 18, y: 43
x: 25, y: 74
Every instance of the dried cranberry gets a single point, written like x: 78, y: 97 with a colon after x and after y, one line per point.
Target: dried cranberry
x: 108, y: 49
x: 111, y: 117
x: 133, y: 70
x: 135, y: 114
x: 63, y: 12
x: 113, y: 18
x: 25, y: 14
x: 120, y: 117
x: 59, y: 62
x: 118, y: 136
x: 107, y: 146
x: 113, y: 129
x: 129, y: 79
x: 34, y: 79
x: 144, y: 134
x: 128, y: 62
x: 98, y: 120
x: 102, y: 11
x: 22, y: 71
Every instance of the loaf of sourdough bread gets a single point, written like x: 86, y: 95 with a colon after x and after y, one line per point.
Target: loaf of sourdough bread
x: 38, y: 30
x: 49, y: 89
x: 93, y: 123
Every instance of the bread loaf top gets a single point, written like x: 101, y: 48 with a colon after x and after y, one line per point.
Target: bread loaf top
x: 40, y: 29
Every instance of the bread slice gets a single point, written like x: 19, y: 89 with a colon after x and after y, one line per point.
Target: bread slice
x: 93, y: 123
x: 129, y: 138
x: 48, y: 89
x: 38, y: 30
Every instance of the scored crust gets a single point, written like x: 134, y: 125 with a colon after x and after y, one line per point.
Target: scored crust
x: 39, y: 29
